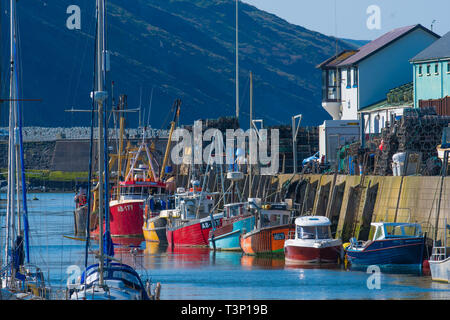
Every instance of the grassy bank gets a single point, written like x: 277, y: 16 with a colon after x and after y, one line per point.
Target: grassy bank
x: 47, y: 175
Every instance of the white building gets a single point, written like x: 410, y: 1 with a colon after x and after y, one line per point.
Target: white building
x: 356, y: 79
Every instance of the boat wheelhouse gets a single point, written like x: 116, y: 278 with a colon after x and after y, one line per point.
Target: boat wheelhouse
x: 311, y: 242
x: 392, y: 244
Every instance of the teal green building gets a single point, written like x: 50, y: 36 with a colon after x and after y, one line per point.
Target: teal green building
x: 431, y: 69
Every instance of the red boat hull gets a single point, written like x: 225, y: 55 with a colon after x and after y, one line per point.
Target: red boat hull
x: 126, y: 219
x: 192, y: 234
x: 297, y: 254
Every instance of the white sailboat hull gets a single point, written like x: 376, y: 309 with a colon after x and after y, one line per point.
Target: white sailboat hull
x: 116, y: 290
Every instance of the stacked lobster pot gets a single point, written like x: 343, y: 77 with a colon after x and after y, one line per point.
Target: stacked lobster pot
x: 419, y: 130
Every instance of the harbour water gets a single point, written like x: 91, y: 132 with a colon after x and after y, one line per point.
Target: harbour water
x: 200, y: 274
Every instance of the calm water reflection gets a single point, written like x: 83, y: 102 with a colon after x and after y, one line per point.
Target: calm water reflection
x: 198, y: 273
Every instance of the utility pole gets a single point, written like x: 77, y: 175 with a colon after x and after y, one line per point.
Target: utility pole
x: 295, y: 128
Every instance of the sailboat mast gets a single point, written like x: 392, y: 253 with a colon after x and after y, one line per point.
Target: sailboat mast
x: 237, y: 62
x: 10, y: 206
x: 99, y: 97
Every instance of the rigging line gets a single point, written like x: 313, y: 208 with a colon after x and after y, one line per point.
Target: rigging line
x: 22, y: 164
x: 150, y: 107
x: 244, y: 94
x: 72, y: 73
x: 82, y: 63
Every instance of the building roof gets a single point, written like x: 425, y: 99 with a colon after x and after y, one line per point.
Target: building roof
x: 381, y: 42
x: 438, y: 49
x: 336, y: 59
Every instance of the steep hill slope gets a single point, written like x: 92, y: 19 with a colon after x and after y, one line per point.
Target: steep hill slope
x: 180, y: 48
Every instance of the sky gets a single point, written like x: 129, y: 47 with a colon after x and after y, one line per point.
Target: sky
x: 359, y: 19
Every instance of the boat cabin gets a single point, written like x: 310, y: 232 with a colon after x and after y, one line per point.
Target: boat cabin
x: 136, y: 190
x: 273, y: 215
x: 392, y: 230
x: 190, y: 204
x: 236, y: 209
x: 312, y: 228
x: 156, y: 203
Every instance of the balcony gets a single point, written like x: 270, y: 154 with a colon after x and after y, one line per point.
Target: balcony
x: 331, y: 101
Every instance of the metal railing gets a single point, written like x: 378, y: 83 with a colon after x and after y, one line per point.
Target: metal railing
x: 438, y: 254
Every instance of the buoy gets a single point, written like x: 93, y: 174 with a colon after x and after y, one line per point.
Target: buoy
x: 157, y: 291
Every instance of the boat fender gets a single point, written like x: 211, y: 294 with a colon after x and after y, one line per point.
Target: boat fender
x: 346, y: 245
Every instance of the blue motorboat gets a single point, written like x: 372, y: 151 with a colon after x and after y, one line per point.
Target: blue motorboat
x: 238, y: 220
x: 392, y: 244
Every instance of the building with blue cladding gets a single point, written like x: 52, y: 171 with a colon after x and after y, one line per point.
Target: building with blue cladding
x: 431, y: 69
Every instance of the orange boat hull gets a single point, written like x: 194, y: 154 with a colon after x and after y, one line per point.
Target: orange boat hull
x: 266, y: 240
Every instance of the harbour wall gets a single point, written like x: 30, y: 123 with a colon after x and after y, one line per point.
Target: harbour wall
x: 353, y: 202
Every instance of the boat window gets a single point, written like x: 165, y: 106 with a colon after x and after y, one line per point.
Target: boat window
x: 120, y: 274
x: 393, y: 231
x: 307, y: 233
x: 378, y: 233
x: 234, y: 211
x: 190, y: 209
x: 323, y: 232
x: 285, y: 219
x: 269, y: 220
x: 412, y: 231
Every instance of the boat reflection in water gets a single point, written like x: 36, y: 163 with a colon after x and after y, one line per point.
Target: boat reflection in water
x: 154, y: 248
x: 127, y: 244
x: 328, y: 266
x: 269, y: 262
x: 180, y: 256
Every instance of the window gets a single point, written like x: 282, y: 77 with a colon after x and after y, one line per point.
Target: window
x: 436, y: 68
x: 378, y: 233
x: 448, y: 67
x: 355, y: 77
x: 332, y: 78
x: 428, y: 70
x: 323, y: 232
x: 307, y: 233
x: 331, y: 85
x: 420, y: 71
x: 349, y: 78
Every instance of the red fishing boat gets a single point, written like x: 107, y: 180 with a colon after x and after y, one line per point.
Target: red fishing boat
x: 192, y: 219
x: 126, y: 206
